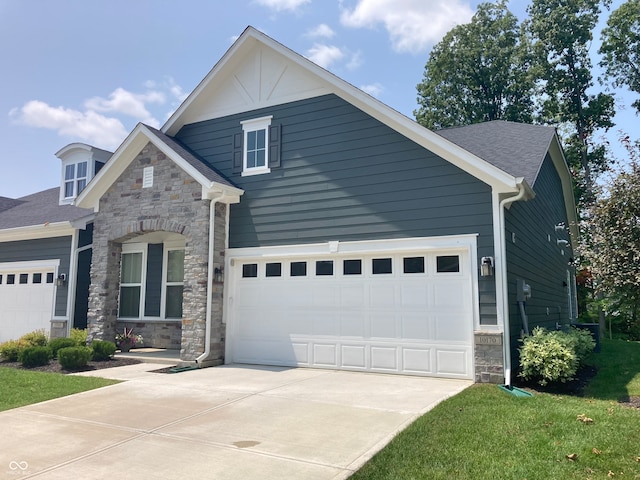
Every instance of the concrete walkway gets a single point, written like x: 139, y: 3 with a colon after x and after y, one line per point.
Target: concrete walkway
x: 231, y: 422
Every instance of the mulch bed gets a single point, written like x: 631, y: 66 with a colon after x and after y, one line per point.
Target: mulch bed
x: 54, y: 366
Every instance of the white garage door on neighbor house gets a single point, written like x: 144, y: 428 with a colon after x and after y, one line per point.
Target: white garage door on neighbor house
x: 26, y: 298
x: 405, y: 312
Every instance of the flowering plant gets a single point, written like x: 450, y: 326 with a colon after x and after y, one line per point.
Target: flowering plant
x: 128, y: 337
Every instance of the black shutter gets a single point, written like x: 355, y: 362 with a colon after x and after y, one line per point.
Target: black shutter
x: 237, y: 152
x: 274, y: 146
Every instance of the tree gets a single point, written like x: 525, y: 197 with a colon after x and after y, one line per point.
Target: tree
x: 621, y: 48
x: 614, y: 253
x: 478, y: 72
x: 562, y: 33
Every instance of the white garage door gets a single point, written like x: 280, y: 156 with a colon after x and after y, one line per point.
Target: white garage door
x: 26, y: 298
x: 396, y: 313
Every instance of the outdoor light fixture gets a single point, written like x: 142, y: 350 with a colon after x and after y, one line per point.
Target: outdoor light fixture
x: 62, y: 278
x: 218, y: 275
x: 486, y: 267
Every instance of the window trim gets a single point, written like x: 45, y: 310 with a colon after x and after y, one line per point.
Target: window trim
x: 254, y: 125
x: 64, y: 199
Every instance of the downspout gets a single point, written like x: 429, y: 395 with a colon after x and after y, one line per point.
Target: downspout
x: 505, y: 297
x: 207, y: 330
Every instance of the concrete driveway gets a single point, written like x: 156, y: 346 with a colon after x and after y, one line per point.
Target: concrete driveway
x: 231, y: 422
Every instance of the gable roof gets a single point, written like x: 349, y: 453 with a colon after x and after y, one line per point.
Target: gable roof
x: 212, y: 182
x: 516, y: 148
x: 258, y: 72
x: 39, y: 215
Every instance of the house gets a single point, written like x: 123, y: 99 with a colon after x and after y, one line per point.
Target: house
x: 282, y: 216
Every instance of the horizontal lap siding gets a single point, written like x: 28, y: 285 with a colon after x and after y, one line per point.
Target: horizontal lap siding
x: 534, y: 258
x: 42, y: 249
x: 344, y: 176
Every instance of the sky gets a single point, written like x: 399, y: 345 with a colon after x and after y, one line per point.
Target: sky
x: 89, y: 71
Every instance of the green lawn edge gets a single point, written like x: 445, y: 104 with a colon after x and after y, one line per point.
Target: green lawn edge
x: 486, y: 433
x: 23, y: 387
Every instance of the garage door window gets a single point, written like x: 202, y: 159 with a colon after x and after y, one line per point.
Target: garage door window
x: 352, y: 267
x: 11, y: 279
x: 24, y: 278
x: 250, y: 270
x: 298, y: 269
x: 130, y: 284
x: 50, y: 277
x: 413, y: 264
x: 381, y: 266
x: 274, y: 270
x: 37, y: 278
x: 448, y: 263
x: 324, y: 267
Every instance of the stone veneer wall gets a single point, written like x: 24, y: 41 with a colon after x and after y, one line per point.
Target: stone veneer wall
x: 489, y: 357
x: 173, y: 204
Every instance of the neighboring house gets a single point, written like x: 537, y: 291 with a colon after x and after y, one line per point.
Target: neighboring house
x: 45, y: 251
x: 281, y: 216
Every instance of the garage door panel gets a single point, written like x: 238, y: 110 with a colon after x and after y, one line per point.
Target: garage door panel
x: 418, y: 322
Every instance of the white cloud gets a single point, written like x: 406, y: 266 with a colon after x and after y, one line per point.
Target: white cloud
x: 413, y: 25
x: 128, y: 103
x: 279, y: 5
x: 325, y: 55
x: 321, y: 31
x: 89, y: 126
x: 375, y: 89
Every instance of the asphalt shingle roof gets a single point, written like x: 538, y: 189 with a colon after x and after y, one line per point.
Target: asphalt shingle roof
x: 517, y: 148
x: 37, y: 209
x: 210, y: 173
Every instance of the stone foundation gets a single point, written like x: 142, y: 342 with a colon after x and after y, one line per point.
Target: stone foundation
x: 489, y: 357
x: 156, y: 334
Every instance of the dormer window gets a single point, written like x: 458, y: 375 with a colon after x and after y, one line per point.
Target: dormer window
x: 75, y: 179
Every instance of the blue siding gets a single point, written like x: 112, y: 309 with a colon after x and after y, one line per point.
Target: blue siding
x: 537, y: 260
x: 42, y: 249
x: 345, y: 176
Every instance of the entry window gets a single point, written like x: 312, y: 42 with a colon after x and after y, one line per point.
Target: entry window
x: 324, y: 267
x: 249, y: 270
x: 448, y: 263
x: 174, y: 283
x: 37, y: 278
x: 24, y: 278
x: 381, y: 266
x: 130, y: 284
x: 352, y: 267
x: 413, y: 264
x: 298, y: 269
x: 273, y: 269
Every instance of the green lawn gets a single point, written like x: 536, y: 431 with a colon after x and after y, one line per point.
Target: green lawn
x: 22, y: 387
x: 485, y: 433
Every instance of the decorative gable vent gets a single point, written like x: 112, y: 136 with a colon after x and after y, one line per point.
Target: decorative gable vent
x: 147, y: 177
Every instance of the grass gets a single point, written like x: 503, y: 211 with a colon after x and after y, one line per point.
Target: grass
x: 22, y: 387
x: 485, y: 433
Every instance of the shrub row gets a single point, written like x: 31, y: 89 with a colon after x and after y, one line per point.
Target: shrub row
x: 554, y: 356
x: 34, y: 349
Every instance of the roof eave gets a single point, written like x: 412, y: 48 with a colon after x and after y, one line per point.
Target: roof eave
x: 32, y: 232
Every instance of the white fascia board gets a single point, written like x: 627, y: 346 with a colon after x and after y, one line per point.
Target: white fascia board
x: 499, y: 180
x: 560, y: 162
x: 32, y: 232
x: 393, y: 245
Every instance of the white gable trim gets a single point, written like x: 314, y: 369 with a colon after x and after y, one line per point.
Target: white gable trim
x: 252, y: 39
x: 32, y: 232
x: 127, y: 152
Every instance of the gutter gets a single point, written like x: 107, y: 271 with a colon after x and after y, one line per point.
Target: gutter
x: 522, y: 190
x: 207, y: 334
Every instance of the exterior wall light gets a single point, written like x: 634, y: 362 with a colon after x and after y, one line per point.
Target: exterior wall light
x: 61, y: 280
x: 486, y: 267
x: 218, y: 275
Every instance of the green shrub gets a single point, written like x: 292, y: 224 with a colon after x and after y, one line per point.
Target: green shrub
x: 584, y: 343
x: 58, y: 343
x: 37, y: 338
x: 35, y: 356
x: 102, y: 350
x: 548, y: 357
x: 73, y: 358
x: 80, y: 336
x: 10, y: 350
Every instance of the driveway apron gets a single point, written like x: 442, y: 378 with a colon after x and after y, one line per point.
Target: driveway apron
x: 229, y: 422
